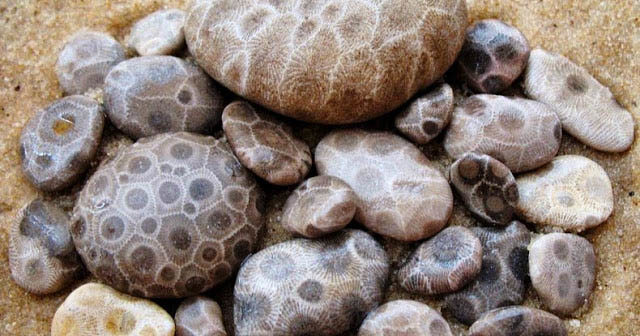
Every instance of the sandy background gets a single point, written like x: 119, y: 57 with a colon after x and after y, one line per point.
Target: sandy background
x: 603, y: 36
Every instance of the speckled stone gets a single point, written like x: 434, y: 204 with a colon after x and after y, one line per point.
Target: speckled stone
x: 518, y: 320
x: 427, y: 115
x: 404, y: 318
x: 199, y: 316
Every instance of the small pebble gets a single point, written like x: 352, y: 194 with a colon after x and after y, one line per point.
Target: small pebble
x: 404, y: 318
x: 199, y: 316
x: 159, y: 33
x: 426, y: 116
x: 493, y: 56
x: 86, y: 60
x: 518, y: 320
x: 42, y: 257
x: 521, y: 133
x: 149, y: 95
x: 59, y: 142
x: 563, y: 270
x: 588, y: 110
x: 320, y: 205
x: 442, y: 264
x: 310, y: 287
x: 96, y: 309
x: 403, y: 195
x: 265, y: 145
x: 486, y: 186
x: 503, y: 278
x: 572, y: 192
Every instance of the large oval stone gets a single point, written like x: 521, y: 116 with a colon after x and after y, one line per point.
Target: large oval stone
x: 326, y: 61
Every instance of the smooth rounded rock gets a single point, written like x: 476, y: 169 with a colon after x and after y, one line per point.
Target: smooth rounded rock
x: 404, y: 318
x: 563, y: 271
x: 149, y: 95
x: 159, y: 33
x: 494, y: 54
x: 300, y: 287
x: 170, y: 216
x: 518, y: 320
x: 442, y: 264
x: 325, y: 61
x: 426, y: 116
x: 521, y: 133
x: 486, y: 186
x: 588, y: 110
x: 265, y: 145
x: 320, y: 205
x: 403, y: 195
x: 96, y: 309
x: 571, y: 192
x: 42, y: 258
x: 199, y: 316
x: 59, y: 142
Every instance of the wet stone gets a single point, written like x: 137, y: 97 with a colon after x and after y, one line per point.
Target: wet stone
x: 518, y: 320
x: 159, y: 33
x: 426, y: 116
x: 404, y: 317
x: 199, y: 316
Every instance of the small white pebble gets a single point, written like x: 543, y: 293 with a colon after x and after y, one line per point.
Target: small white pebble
x: 159, y: 33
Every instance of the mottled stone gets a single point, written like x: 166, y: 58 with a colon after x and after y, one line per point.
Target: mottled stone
x: 404, y: 318
x: 199, y: 316
x: 518, y: 320
x: 159, y: 33
x: 427, y: 115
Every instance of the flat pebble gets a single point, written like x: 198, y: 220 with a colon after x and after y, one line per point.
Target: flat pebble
x: 149, y: 95
x: 442, y: 264
x: 486, y: 186
x: 503, y: 278
x: 427, y: 115
x: 518, y: 320
x: 521, y: 133
x: 59, y: 142
x: 320, y: 205
x: 265, y: 144
x: 588, y: 110
x: 563, y: 270
x: 170, y: 216
x: 42, y: 257
x: 199, y: 316
x: 301, y: 287
x: 159, y: 33
x: 572, y: 192
x: 96, y: 309
x: 404, y: 318
x: 493, y: 56
x: 86, y: 59
x: 403, y: 195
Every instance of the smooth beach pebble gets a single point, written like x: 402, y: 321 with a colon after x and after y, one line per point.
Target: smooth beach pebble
x: 426, y: 116
x: 59, y: 142
x: 159, y: 33
x: 320, y: 205
x: 404, y: 318
x: 503, y: 278
x: 86, y: 60
x: 325, y: 61
x: 572, y: 192
x: 319, y: 287
x: 486, y: 186
x: 563, y: 270
x: 265, y: 145
x: 199, y: 316
x: 403, y: 195
x: 149, y: 95
x: 587, y: 109
x: 96, y: 309
x: 493, y: 56
x: 521, y: 133
x: 170, y: 216
x: 518, y: 320
x: 42, y: 258
x: 442, y: 264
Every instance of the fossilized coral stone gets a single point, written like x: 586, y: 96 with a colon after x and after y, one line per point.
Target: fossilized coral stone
x: 159, y: 33
x: 310, y: 287
x: 404, y: 317
x: 96, y: 309
x: 586, y: 108
x: 326, y: 61
x: 572, y: 192
x: 170, y: 216
x: 402, y: 194
x: 199, y: 316
x: 427, y: 116
x: 518, y: 320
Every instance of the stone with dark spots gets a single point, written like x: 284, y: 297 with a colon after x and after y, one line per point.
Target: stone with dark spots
x: 427, y: 115
x: 518, y: 320
x: 404, y: 317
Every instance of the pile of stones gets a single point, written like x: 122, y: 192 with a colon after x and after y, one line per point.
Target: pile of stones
x: 178, y: 212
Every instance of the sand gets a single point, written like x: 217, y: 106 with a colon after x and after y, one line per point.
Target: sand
x: 602, y: 36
